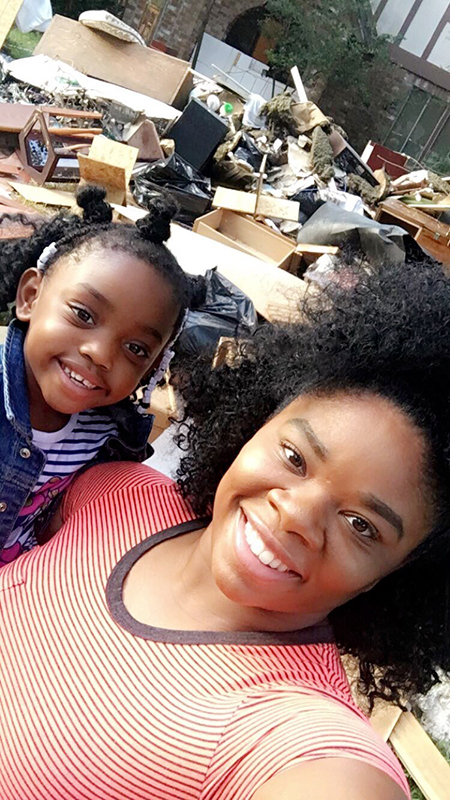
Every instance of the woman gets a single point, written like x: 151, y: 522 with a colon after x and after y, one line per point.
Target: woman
x: 317, y: 517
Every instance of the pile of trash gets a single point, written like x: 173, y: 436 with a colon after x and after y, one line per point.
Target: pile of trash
x: 282, y: 164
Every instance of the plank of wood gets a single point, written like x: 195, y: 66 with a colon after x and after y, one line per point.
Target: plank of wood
x: 245, y: 203
x: 384, y: 719
x: 39, y: 194
x: 427, y: 767
x: 142, y: 69
x: 8, y: 13
x: 114, y: 154
x: 317, y: 249
x: 109, y: 164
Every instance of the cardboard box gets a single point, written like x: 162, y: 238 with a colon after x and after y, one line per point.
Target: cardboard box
x: 248, y: 236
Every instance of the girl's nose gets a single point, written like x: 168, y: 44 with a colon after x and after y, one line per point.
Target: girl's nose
x: 301, y: 511
x: 100, y: 351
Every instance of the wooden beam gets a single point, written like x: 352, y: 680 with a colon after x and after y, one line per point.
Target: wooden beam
x: 8, y: 13
x: 420, y: 756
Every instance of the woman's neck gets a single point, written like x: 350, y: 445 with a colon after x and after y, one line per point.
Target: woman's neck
x: 172, y: 587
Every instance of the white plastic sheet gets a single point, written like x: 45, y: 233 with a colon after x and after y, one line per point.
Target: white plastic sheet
x: 34, y: 15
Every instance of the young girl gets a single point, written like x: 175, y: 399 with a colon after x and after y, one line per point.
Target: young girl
x: 194, y: 653
x: 97, y: 306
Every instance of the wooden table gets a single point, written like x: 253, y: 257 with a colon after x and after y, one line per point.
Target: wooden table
x: 429, y: 233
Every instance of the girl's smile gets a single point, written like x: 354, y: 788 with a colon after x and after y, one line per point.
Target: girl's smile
x: 96, y: 325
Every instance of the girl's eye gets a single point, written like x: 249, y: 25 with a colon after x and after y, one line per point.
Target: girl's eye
x: 82, y: 314
x: 137, y: 350
x: 362, y: 526
x: 294, y: 458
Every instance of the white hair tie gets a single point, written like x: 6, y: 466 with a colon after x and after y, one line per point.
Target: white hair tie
x: 47, y: 253
x: 144, y: 403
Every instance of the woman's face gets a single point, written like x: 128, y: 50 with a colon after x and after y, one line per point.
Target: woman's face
x: 325, y: 500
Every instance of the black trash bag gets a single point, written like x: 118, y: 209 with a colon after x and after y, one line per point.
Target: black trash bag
x: 248, y: 151
x: 223, y: 311
x: 190, y: 189
x: 333, y: 225
x: 309, y: 200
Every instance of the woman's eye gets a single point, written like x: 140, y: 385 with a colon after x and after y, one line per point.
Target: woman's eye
x: 294, y: 457
x: 362, y: 526
x: 82, y: 314
x: 137, y: 350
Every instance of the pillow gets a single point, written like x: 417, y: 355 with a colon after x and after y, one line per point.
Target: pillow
x: 108, y: 23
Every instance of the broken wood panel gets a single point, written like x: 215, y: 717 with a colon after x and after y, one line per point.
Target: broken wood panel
x: 126, y: 64
x: 427, y: 767
x: 39, y: 194
x: 245, y: 203
x: 8, y: 13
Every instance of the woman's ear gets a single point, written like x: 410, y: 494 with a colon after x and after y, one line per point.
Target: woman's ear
x: 27, y: 293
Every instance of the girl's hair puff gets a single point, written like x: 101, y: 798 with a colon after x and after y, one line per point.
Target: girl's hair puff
x: 74, y: 234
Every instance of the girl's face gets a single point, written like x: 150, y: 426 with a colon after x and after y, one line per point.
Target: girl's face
x: 324, y: 501
x: 96, y: 326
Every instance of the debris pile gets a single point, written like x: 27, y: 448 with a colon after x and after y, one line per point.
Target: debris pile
x: 95, y: 104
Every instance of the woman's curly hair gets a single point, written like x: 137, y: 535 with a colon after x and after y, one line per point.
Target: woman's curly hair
x: 389, y: 335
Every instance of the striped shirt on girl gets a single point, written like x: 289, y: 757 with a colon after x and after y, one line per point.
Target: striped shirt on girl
x: 67, y: 451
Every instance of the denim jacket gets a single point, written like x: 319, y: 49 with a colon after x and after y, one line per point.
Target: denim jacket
x: 21, y: 461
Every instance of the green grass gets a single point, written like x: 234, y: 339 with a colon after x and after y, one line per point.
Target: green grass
x: 21, y: 45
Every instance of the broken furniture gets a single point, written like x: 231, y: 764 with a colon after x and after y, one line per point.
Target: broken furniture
x: 126, y: 64
x: 256, y: 239
x: 431, y: 234
x: 244, y: 234
x: 40, y: 153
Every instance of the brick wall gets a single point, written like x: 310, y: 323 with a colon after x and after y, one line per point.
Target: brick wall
x: 182, y: 21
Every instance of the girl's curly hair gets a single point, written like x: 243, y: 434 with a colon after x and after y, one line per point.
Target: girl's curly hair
x: 389, y: 335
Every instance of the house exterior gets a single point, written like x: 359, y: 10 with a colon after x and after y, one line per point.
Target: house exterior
x: 420, y: 125
x: 420, y: 121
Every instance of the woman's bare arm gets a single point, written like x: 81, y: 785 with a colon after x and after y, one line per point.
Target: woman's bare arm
x: 337, y: 778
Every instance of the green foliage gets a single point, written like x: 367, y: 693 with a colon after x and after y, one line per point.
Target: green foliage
x: 21, y: 45
x: 342, y: 60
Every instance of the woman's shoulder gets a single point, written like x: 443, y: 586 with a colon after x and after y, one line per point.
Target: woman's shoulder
x: 114, y: 481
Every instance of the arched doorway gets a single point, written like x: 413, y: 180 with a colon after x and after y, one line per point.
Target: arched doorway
x: 245, y: 33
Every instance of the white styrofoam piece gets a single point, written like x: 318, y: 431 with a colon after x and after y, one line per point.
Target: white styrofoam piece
x: 55, y: 76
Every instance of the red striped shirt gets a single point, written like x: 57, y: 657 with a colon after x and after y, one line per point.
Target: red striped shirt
x: 91, y: 709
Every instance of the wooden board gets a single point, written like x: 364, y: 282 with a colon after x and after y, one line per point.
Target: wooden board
x: 109, y: 164
x: 245, y: 203
x: 126, y: 64
x: 39, y: 194
x: 8, y: 13
x: 427, y: 767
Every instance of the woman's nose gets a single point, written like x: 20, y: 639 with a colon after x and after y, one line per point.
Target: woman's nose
x: 301, y: 511
x: 100, y: 351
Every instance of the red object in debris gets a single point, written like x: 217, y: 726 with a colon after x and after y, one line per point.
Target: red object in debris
x: 377, y: 156
x: 157, y: 45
